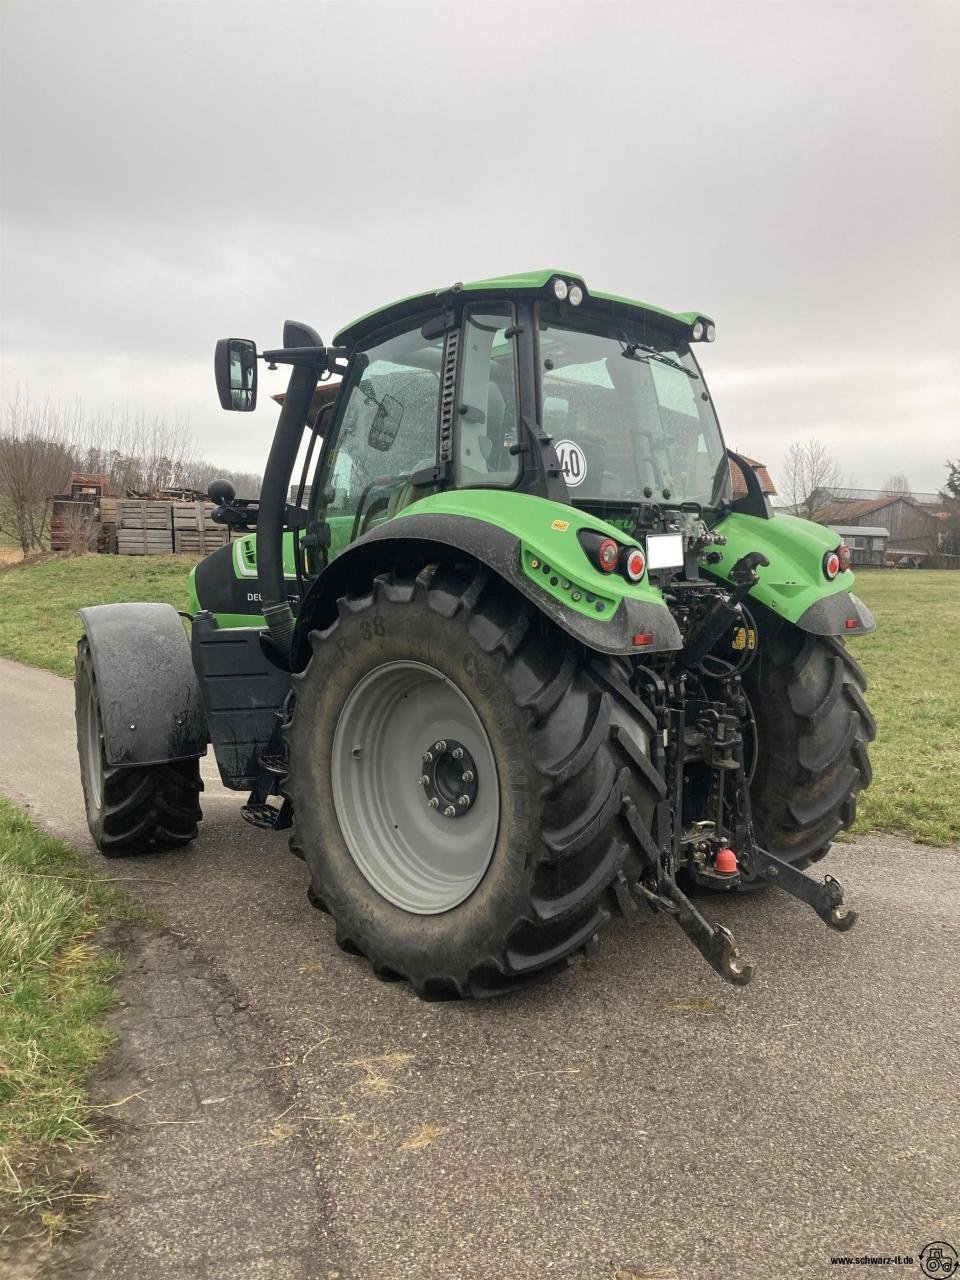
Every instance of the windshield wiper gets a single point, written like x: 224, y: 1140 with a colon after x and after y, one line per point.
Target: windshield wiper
x: 630, y: 350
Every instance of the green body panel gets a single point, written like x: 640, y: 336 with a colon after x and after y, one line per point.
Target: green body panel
x: 551, y: 554
x: 526, y: 281
x: 795, y: 548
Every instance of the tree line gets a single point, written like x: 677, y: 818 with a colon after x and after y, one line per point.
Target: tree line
x: 43, y: 443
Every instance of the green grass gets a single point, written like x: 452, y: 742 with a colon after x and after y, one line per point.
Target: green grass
x: 911, y: 662
x: 38, y: 602
x: 55, y: 985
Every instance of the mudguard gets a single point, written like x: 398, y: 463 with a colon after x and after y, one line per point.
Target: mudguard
x: 528, y: 541
x: 150, y: 702
x: 794, y: 585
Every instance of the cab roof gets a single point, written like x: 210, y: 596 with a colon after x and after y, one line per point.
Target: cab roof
x: 539, y: 283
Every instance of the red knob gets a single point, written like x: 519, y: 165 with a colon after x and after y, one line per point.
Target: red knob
x: 725, y: 862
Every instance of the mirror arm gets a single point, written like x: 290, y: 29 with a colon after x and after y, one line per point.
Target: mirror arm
x: 322, y: 359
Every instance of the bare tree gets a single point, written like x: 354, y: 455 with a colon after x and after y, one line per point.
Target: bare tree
x: 36, y: 459
x: 137, y: 452
x: 40, y: 445
x: 78, y: 527
x: 808, y: 475
x: 896, y: 485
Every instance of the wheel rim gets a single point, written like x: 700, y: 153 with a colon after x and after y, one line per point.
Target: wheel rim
x: 94, y: 750
x: 396, y: 775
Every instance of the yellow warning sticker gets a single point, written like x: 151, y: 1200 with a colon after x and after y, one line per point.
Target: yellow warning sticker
x: 744, y: 638
x: 561, y: 526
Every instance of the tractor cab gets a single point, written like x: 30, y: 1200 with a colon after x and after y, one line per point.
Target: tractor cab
x: 527, y: 384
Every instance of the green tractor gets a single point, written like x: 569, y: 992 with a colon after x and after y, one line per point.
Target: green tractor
x: 505, y: 652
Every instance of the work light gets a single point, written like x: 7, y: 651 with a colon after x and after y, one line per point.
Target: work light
x: 576, y: 295
x: 560, y: 289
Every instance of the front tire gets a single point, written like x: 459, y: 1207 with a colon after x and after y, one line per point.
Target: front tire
x: 512, y: 887
x: 137, y: 808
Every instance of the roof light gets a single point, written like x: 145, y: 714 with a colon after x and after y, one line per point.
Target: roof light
x: 711, y: 332
x: 576, y: 295
x: 560, y: 289
x: 608, y: 553
x: 831, y: 565
x: 634, y: 563
x: 697, y: 331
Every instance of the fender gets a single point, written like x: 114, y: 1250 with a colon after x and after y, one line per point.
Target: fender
x: 521, y: 538
x: 794, y: 585
x: 150, y: 702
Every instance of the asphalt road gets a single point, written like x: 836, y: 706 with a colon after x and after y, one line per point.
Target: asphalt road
x: 637, y: 1117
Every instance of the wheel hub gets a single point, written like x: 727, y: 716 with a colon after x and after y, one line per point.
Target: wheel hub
x: 449, y: 778
x: 395, y: 819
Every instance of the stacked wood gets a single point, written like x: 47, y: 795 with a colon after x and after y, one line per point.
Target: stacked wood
x: 144, y: 528
x: 194, y: 530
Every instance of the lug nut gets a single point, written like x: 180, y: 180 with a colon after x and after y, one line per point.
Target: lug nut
x: 449, y: 811
x: 464, y: 802
x: 427, y: 757
x: 434, y: 802
x: 457, y: 753
x: 424, y: 779
x: 440, y: 746
x: 467, y: 775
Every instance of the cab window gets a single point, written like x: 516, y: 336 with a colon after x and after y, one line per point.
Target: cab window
x: 387, y: 432
x: 487, y: 420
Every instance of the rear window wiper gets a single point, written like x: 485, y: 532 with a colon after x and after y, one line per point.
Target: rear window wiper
x: 631, y: 351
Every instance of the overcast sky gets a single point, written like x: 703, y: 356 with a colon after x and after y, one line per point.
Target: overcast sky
x: 174, y: 172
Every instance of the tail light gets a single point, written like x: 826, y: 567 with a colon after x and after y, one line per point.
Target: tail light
x: 845, y: 556
x: 831, y: 565
x: 608, y: 553
x: 632, y: 563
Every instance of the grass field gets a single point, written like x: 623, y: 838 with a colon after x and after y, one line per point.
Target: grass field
x: 39, y: 601
x: 54, y: 987
x: 911, y: 661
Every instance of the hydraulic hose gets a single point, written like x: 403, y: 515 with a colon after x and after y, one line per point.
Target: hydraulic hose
x: 271, y: 516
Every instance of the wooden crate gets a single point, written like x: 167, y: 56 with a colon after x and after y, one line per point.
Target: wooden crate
x: 194, y: 516
x: 138, y: 513
x: 193, y: 542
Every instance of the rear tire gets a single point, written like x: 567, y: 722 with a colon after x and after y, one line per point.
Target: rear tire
x: 813, y: 730
x: 557, y: 769
x: 137, y: 808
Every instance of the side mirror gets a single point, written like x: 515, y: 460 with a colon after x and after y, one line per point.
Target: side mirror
x: 235, y: 368
x: 386, y: 424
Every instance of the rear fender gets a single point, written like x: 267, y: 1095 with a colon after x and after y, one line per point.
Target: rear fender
x: 794, y: 585
x: 150, y: 702
x: 509, y: 538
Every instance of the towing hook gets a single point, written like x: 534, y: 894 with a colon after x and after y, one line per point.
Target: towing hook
x: 728, y: 961
x: 715, y: 942
x: 833, y: 912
